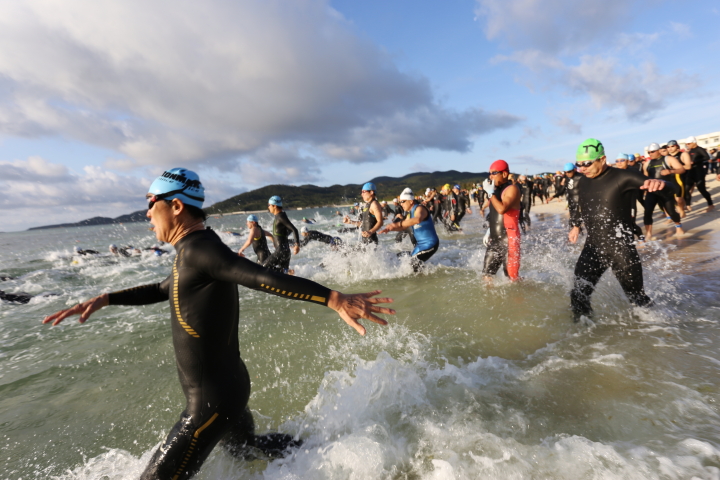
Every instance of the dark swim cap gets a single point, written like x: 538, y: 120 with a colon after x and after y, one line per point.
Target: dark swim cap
x: 182, y: 183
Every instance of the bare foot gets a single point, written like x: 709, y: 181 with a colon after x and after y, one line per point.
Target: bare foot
x: 679, y: 232
x: 710, y: 208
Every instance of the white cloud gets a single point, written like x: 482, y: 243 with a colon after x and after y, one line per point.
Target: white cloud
x: 552, y: 26
x: 170, y: 82
x: 682, y: 30
x: 568, y: 125
x: 553, y: 38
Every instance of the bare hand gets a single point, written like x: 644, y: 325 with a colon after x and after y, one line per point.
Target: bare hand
x: 241, y: 254
x: 85, y: 309
x: 352, y: 308
x: 574, y: 234
x: 346, y: 219
x: 652, y: 185
x: 296, y: 249
x: 366, y: 234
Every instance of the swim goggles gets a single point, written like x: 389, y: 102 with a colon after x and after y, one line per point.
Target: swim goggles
x: 152, y: 200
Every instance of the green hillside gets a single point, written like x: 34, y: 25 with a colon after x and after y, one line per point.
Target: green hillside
x: 313, y: 196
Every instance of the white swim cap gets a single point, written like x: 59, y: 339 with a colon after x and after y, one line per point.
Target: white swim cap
x: 304, y: 230
x: 407, y: 194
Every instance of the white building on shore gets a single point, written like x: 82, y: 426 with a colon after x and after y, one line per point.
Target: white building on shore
x: 708, y: 140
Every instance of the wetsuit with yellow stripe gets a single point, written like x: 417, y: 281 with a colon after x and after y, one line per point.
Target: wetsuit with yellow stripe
x: 203, y: 295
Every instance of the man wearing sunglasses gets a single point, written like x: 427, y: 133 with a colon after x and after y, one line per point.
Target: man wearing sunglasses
x: 503, y: 241
x: 204, y: 306
x: 606, y: 201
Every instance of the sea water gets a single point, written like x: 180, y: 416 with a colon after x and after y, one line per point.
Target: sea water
x: 469, y: 380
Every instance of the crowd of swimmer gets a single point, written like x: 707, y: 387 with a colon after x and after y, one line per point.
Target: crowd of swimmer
x: 202, y: 287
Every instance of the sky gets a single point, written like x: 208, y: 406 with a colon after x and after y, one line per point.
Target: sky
x: 99, y: 97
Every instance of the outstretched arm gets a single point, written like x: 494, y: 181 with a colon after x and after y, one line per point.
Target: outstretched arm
x: 143, y: 295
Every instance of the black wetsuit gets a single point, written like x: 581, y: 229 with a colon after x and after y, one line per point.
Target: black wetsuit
x: 367, y: 222
x: 559, y: 187
x: 387, y: 210
x: 204, y: 308
x: 664, y: 197
x: 260, y: 246
x: 463, y: 203
x: 280, y: 258
x: 320, y: 237
x: 572, y: 191
x: 525, y: 203
x: 699, y: 156
x: 15, y: 297
x: 5, y: 278
x: 87, y: 252
x: 500, y: 250
x: 450, y: 209
x: 606, y: 202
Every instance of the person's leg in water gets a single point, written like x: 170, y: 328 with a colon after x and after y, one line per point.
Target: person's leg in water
x: 419, y: 256
x: 625, y: 264
x: 495, y: 257
x: 589, y: 268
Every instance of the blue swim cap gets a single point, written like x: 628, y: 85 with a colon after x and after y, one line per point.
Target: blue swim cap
x: 369, y: 186
x: 569, y: 167
x: 179, y: 183
x: 631, y: 157
x: 621, y: 156
x: 252, y: 218
x: 275, y: 200
x: 456, y: 186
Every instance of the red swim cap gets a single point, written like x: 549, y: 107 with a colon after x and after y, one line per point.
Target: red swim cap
x: 499, y: 166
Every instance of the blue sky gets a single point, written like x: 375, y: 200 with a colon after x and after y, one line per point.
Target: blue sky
x: 99, y: 97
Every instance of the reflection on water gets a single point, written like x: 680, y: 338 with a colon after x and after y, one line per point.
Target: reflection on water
x: 469, y: 381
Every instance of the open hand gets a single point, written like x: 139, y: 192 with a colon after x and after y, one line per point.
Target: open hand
x: 354, y: 307
x: 85, y: 309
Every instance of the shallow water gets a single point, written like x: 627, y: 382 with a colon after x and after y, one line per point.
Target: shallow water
x: 469, y: 380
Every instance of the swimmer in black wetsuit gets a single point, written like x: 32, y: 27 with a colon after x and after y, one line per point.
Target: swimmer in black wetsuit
x: 371, y: 217
x: 282, y: 226
x: 622, y: 163
x: 309, y: 235
x: 699, y: 157
x: 525, y: 202
x: 84, y: 252
x: 572, y: 192
x: 606, y: 199
x: 662, y: 168
x: 15, y: 297
x: 203, y: 295
x: 256, y: 238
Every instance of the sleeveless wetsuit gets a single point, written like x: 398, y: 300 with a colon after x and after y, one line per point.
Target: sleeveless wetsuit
x: 260, y: 247
x: 426, y: 239
x: 204, y: 308
x: 606, y: 202
x: 680, y: 178
x: 367, y: 222
x: 280, y: 258
x: 664, y: 197
x: 504, y: 246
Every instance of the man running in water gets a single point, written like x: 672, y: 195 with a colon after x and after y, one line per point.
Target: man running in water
x: 606, y: 201
x: 203, y: 295
x: 503, y: 238
x: 420, y: 222
x: 525, y: 201
x: 699, y: 157
x: 256, y: 238
x: 309, y: 235
x: 662, y: 168
x: 282, y: 226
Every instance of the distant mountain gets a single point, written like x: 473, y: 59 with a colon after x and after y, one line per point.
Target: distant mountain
x: 306, y: 196
x: 138, y: 216
x: 312, y: 196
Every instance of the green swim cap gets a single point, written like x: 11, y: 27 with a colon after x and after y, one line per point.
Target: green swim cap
x: 590, y: 149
